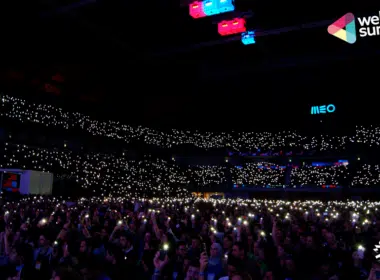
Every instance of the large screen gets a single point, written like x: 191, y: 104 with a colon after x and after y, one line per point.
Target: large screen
x: 10, y: 182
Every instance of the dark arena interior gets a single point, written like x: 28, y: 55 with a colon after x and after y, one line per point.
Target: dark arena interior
x: 189, y: 140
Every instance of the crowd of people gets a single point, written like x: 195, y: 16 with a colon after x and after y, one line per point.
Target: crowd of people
x: 371, y: 178
x: 28, y: 112
x: 117, y: 174
x: 259, y: 174
x: 143, y: 223
x: 188, y: 238
x: 322, y: 175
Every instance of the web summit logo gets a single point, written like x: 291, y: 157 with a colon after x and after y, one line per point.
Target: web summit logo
x: 345, y: 28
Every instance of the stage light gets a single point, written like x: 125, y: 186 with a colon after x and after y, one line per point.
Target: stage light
x: 205, y: 8
x: 238, y: 26
x: 196, y: 9
x: 225, y: 6
x: 228, y: 27
x: 210, y: 7
x: 224, y: 28
x: 248, y: 37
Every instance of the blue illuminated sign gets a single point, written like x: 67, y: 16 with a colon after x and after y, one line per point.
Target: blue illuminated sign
x: 323, y: 109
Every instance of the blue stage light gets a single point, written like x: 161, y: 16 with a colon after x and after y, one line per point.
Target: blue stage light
x: 248, y: 37
x: 225, y: 6
x: 210, y: 7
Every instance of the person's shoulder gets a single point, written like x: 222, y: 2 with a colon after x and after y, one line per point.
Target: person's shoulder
x: 224, y: 278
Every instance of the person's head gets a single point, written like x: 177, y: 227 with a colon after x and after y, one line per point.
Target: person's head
x: 66, y: 248
x: 325, y: 268
x: 313, y: 228
x: 205, y: 227
x: 83, y: 246
x: 24, y: 227
x: 15, y: 256
x: 212, y: 237
x: 358, y: 230
x: 64, y: 273
x: 287, y: 240
x: 303, y: 238
x: 258, y: 250
x: 195, y: 242
x: 234, y: 266
x: 289, y: 263
x: 231, y: 270
x: 216, y: 250
x: 64, y: 233
x: 227, y: 242
x: 238, y: 250
x: 186, y: 264
x: 132, y: 227
x: 376, y: 266
x: 309, y: 241
x: 147, y: 237
x: 193, y: 271
x: 355, y: 256
x: 42, y: 241
x: 278, y: 233
x: 280, y: 251
x: 103, y: 233
x: 268, y: 275
x: 181, y: 249
x: 330, y: 238
x: 164, y: 237
x: 110, y: 257
x: 125, y: 242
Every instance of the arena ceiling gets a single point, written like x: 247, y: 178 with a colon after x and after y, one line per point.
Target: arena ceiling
x: 150, y: 61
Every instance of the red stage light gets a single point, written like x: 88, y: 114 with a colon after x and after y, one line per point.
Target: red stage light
x: 224, y: 28
x: 196, y: 9
x: 228, y: 27
x: 238, y: 25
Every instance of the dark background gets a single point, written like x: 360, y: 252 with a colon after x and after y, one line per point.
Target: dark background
x: 150, y: 63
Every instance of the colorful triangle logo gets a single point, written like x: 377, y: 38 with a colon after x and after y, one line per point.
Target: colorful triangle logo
x: 349, y: 33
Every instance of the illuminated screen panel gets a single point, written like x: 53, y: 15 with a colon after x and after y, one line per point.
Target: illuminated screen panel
x: 11, y: 182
